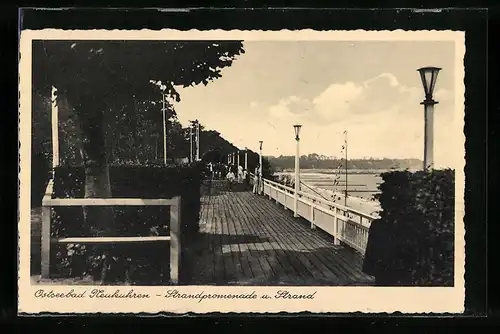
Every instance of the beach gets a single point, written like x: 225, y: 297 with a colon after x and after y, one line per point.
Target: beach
x: 331, y: 184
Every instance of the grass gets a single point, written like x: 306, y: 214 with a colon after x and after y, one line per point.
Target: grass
x: 35, y: 258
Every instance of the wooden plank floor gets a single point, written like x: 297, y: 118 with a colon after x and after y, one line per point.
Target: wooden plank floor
x: 249, y: 240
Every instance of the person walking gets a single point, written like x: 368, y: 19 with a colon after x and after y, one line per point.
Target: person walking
x: 240, y: 174
x: 256, y: 179
x: 246, y: 179
x: 210, y: 179
x: 230, y: 177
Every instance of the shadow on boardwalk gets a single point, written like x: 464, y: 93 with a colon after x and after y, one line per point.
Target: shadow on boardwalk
x: 250, y: 240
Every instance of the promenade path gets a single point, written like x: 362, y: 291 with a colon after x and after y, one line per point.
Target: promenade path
x: 250, y: 240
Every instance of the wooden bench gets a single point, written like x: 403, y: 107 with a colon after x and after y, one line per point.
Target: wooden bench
x: 174, y: 238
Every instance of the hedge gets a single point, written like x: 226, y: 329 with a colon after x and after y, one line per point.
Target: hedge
x: 413, y: 241
x: 145, y: 264
x: 39, y: 178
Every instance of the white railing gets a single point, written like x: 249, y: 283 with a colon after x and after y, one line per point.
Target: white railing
x: 49, y: 202
x: 346, y: 225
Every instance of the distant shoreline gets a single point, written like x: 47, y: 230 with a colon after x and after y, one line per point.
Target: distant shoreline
x: 342, y: 171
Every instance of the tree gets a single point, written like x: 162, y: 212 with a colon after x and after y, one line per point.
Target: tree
x: 41, y: 143
x: 98, y: 78
x: 211, y: 140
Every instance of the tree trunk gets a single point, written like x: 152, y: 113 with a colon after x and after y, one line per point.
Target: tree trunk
x: 98, y: 185
x: 97, y: 181
x: 99, y: 219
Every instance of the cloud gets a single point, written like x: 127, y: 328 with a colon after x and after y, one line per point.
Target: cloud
x: 336, y: 101
x: 290, y: 108
x: 342, y: 101
x: 280, y: 111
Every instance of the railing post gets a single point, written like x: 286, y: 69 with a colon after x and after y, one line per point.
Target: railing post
x: 175, y: 239
x: 336, y: 240
x: 45, y: 242
x: 312, y: 216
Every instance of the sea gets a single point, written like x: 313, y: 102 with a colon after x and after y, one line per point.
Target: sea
x: 330, y: 184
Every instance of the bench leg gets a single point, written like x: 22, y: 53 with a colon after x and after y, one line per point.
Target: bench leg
x: 45, y: 265
x: 175, y: 242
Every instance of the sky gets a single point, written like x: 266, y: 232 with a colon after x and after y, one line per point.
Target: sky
x: 371, y: 89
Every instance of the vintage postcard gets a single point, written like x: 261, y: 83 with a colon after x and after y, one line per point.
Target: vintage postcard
x: 241, y: 171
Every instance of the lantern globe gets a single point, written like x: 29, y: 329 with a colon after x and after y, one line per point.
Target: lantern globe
x: 297, y: 127
x: 429, y: 76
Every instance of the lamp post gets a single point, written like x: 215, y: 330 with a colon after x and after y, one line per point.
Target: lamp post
x: 197, y: 140
x: 163, y: 109
x: 260, y: 166
x: 346, y: 184
x: 55, y: 130
x: 429, y: 77
x: 191, y: 143
x: 163, y: 87
x: 246, y: 159
x: 297, y: 172
x: 238, y: 158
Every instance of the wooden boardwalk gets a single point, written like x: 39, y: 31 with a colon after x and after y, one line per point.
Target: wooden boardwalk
x: 248, y: 239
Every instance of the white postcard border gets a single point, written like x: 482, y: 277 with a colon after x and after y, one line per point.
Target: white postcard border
x: 326, y: 299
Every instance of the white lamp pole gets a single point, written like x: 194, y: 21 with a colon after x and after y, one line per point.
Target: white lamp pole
x: 238, y: 158
x: 346, y: 174
x: 429, y: 77
x: 164, y: 129
x: 197, y: 140
x: 55, y: 130
x: 297, y: 171
x: 246, y: 158
x: 260, y: 167
x: 191, y: 143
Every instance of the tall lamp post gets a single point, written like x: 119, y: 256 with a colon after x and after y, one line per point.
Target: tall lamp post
x: 260, y: 167
x: 246, y: 159
x: 429, y: 77
x: 346, y: 184
x: 163, y: 109
x: 191, y: 143
x: 55, y: 131
x: 197, y: 140
x: 163, y: 87
x: 297, y: 172
x: 238, y: 158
